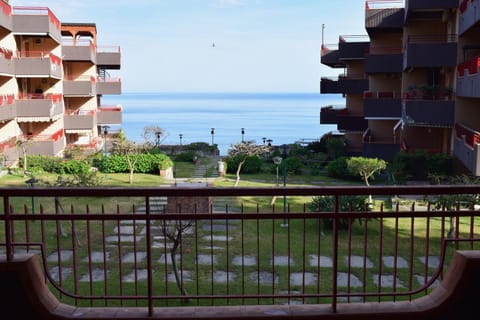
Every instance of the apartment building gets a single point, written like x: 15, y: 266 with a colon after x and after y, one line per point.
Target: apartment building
x: 52, y: 79
x: 410, y: 64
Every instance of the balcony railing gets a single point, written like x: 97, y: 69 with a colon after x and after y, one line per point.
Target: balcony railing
x: 418, y: 51
x: 32, y: 20
x: 120, y: 247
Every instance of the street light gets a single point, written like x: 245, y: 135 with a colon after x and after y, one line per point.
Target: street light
x: 32, y: 182
x: 243, y: 133
x: 105, y: 132
x: 284, y: 148
x: 180, y: 136
x: 277, y: 160
x: 158, y: 134
x: 212, y: 132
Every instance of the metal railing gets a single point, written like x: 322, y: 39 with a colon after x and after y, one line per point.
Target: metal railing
x: 194, y: 246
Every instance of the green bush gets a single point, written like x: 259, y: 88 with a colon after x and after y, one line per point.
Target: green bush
x: 420, y: 165
x: 146, y: 163
x: 74, y: 167
x: 338, y: 168
x: 252, y: 164
x: 347, y: 204
x: 42, y: 163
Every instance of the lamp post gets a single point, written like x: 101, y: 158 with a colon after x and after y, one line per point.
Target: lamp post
x: 180, y: 136
x: 158, y: 134
x: 284, y: 156
x: 243, y: 133
x: 105, y: 132
x: 32, y: 182
x: 277, y: 160
x: 212, y: 132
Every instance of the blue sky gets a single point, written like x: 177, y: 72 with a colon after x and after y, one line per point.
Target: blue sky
x: 260, y: 45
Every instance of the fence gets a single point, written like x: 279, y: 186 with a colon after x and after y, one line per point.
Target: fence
x: 196, y: 246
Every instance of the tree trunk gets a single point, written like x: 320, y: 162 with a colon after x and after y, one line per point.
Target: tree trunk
x: 238, y: 171
x: 179, y: 282
x: 130, y: 176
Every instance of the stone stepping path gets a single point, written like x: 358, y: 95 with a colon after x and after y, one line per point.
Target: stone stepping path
x: 129, y: 231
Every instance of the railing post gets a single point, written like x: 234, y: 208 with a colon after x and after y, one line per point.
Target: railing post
x: 335, y: 252
x: 149, y: 257
x: 8, y: 240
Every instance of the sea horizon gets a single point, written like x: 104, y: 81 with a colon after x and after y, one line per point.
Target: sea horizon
x: 283, y: 117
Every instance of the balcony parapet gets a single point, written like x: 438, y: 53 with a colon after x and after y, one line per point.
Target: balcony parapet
x: 109, y: 115
x: 385, y: 15
x: 83, y: 86
x: 468, y: 78
x: 466, y: 147
x: 79, y: 50
x: 39, y: 107
x: 469, y: 15
x: 425, y: 51
x: 38, y: 63
x: 108, y: 57
x: 36, y: 20
x: 109, y: 85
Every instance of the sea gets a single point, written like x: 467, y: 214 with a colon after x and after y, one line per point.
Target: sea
x: 282, y: 118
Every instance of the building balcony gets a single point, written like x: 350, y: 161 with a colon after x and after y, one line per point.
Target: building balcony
x: 430, y: 51
x: 6, y: 62
x: 438, y: 113
x: 36, y: 21
x: 79, y: 51
x: 37, y: 64
x: 347, y: 121
x: 5, y: 16
x: 417, y: 261
x: 329, y: 114
x: 352, y: 47
x: 384, y: 16
x: 109, y: 115
x: 468, y: 78
x: 428, y: 5
x: 344, y: 85
x: 80, y: 87
x: 384, y: 60
x: 39, y: 107
x: 108, y: 57
x: 469, y: 16
x: 382, y: 105
x: 46, y: 145
x: 109, y: 86
x: 330, y: 56
x: 7, y: 107
x: 466, y: 147
x: 80, y: 121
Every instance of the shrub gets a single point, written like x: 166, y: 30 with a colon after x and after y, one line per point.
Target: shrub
x: 74, y: 167
x: 338, y: 168
x: 252, y: 164
x: 347, y: 203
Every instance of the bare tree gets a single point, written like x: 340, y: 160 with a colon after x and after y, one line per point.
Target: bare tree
x: 174, y: 231
x: 23, y: 146
x: 245, y: 150
x: 130, y: 150
x: 153, y: 135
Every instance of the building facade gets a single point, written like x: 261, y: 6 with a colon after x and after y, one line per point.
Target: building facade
x: 52, y: 80
x: 421, y: 64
